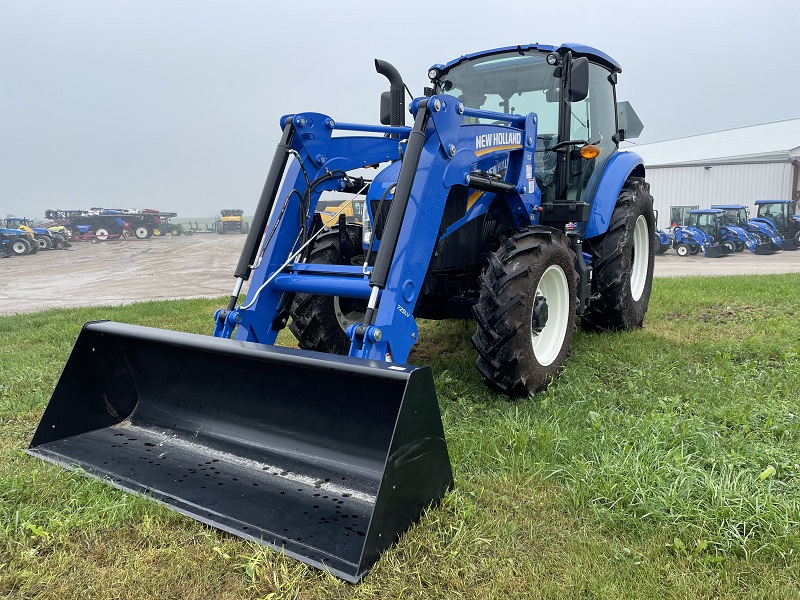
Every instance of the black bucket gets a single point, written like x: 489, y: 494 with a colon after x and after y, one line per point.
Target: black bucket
x: 766, y: 248
x: 717, y: 251
x: 325, y: 458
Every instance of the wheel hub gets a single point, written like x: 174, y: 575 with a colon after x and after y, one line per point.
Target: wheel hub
x: 540, y: 314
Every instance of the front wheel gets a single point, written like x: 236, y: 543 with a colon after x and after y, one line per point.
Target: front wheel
x: 729, y: 245
x: 694, y: 249
x: 526, y: 311
x: 20, y: 247
x: 101, y: 234
x: 174, y: 231
x: 623, y: 260
x: 320, y: 322
x: 142, y: 232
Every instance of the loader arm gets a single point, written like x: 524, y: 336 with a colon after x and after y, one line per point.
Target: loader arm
x: 441, y: 152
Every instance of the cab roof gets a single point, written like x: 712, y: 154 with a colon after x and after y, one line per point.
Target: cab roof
x: 577, y: 49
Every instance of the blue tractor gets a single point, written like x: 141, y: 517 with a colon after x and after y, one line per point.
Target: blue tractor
x: 662, y: 241
x: 43, y: 237
x: 766, y: 235
x: 507, y: 201
x: 704, y: 233
x: 782, y: 216
x: 15, y: 242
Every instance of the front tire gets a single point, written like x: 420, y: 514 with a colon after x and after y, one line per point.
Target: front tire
x: 526, y: 311
x: 142, y: 232
x: 623, y: 260
x: 319, y: 322
x: 20, y: 247
x: 101, y: 234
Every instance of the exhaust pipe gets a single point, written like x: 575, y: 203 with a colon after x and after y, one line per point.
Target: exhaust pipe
x: 392, y: 102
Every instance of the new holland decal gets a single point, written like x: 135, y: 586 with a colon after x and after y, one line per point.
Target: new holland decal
x: 501, y: 140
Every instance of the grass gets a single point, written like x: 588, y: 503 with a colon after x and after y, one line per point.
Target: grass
x: 663, y: 463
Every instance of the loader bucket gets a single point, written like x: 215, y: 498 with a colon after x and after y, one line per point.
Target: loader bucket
x: 717, y: 251
x: 325, y: 458
x: 766, y: 248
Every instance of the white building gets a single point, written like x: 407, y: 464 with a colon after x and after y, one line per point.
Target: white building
x: 736, y: 166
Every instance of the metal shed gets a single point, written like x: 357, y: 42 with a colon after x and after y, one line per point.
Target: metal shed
x: 735, y: 166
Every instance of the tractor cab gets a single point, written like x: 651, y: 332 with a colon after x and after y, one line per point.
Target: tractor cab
x: 571, y: 89
x: 778, y: 211
x: 735, y: 214
x: 708, y: 220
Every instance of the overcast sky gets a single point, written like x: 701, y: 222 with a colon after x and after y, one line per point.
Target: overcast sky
x: 174, y: 105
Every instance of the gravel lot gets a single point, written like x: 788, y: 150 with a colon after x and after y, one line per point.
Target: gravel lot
x: 120, y: 272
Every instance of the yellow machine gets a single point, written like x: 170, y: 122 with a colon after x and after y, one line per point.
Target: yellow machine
x: 330, y: 212
x: 231, y: 219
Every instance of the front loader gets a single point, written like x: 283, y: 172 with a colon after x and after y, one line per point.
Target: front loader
x: 506, y: 201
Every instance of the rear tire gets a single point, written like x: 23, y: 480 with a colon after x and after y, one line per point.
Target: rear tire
x: 319, y: 322
x: 526, y: 311
x: 623, y: 260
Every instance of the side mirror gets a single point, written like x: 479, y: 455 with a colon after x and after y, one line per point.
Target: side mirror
x: 578, y: 79
x: 630, y: 126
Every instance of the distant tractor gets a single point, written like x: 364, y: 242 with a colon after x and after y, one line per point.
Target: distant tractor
x: 41, y: 237
x: 702, y: 232
x: 231, y: 220
x: 763, y: 230
x: 782, y: 214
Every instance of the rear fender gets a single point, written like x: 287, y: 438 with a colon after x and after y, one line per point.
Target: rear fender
x: 617, y: 171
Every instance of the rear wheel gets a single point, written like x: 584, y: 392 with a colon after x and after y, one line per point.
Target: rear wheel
x: 320, y: 322
x: 623, y: 260
x: 526, y: 311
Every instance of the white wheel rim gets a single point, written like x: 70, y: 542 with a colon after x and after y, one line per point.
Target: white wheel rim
x: 548, y: 342
x: 345, y: 319
x: 101, y: 234
x: 641, y: 256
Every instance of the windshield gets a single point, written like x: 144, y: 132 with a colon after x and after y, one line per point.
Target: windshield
x: 509, y: 83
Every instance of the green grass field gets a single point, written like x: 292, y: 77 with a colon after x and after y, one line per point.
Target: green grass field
x: 664, y: 463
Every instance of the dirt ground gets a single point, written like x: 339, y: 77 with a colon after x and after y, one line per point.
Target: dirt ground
x: 121, y: 272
